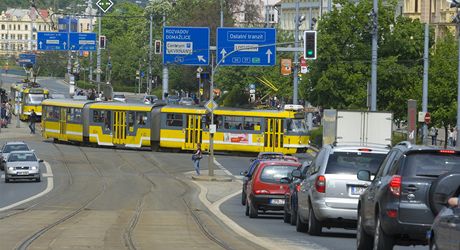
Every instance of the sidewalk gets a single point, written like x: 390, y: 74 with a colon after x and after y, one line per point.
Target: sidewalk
x: 21, y: 133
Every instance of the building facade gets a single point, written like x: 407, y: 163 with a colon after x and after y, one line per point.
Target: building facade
x: 19, y: 27
x: 309, y: 10
x: 259, y: 13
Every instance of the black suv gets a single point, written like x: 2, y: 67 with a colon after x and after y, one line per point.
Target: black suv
x: 403, y: 198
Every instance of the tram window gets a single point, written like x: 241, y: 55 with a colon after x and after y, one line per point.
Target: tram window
x: 141, y: 118
x: 252, y: 123
x: 234, y: 122
x: 33, y: 99
x: 74, y: 115
x: 174, y: 120
x: 130, y: 119
x: 296, y: 125
x: 52, y: 113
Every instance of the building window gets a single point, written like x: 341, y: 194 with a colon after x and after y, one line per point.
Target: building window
x: 271, y: 17
x: 416, y: 6
x: 3, y: 36
x: 19, y: 37
x: 26, y: 37
x: 14, y: 27
x: 39, y: 28
x: 19, y: 27
x: 34, y: 36
x: 87, y: 26
x: 26, y: 27
x: 3, y: 27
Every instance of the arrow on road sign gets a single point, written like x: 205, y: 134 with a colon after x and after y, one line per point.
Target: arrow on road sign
x: 64, y: 43
x: 40, y: 44
x: 201, y: 58
x: 223, y: 52
x: 268, y: 53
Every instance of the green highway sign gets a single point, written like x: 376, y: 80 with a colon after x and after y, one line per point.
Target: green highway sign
x: 104, y: 5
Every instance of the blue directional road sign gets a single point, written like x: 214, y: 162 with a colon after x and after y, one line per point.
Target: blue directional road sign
x: 186, y: 45
x: 52, y: 41
x: 246, y: 46
x: 26, y: 59
x: 83, y: 41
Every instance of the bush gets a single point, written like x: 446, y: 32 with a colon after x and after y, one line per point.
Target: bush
x: 316, y: 137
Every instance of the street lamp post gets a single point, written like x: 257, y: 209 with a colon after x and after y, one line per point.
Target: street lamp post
x: 296, y: 54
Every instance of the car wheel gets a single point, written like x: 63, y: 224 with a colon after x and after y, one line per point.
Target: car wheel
x: 363, y: 240
x: 442, y: 189
x: 253, y: 212
x: 243, y: 198
x: 293, y: 216
x: 286, y: 215
x: 299, y: 225
x: 247, y: 208
x: 382, y: 241
x: 314, y: 225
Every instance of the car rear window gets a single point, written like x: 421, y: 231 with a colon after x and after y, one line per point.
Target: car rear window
x: 274, y: 173
x: 352, y: 162
x: 17, y: 147
x: 431, y: 164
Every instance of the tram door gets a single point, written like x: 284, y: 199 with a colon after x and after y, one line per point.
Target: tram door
x: 273, y: 135
x: 63, y: 124
x: 119, y: 127
x: 193, y: 131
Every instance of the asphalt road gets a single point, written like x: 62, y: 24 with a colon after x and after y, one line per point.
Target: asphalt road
x: 271, y: 225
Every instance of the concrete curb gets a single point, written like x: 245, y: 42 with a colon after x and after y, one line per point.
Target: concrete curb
x: 211, y: 178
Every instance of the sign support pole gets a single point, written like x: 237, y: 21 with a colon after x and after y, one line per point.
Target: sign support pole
x: 165, y: 69
x: 211, y: 135
x: 98, y: 54
x: 296, y: 55
x: 149, y: 77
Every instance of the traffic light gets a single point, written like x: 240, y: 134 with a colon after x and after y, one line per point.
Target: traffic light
x: 157, y: 47
x: 309, y: 40
x: 102, y: 42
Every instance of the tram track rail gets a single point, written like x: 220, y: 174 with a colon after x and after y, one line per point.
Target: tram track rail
x: 29, y: 240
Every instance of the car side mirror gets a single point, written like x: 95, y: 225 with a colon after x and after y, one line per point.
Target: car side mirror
x: 244, y: 173
x: 285, y: 180
x: 296, y: 173
x: 40, y: 160
x: 364, y: 175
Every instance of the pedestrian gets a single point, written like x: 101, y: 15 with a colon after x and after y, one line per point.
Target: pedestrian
x: 8, y: 111
x: 32, y: 120
x: 196, y: 157
x: 434, y: 135
x: 454, y: 137
x: 450, y: 137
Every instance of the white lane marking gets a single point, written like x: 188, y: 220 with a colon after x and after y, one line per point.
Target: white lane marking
x: 49, y: 187
x: 215, y: 209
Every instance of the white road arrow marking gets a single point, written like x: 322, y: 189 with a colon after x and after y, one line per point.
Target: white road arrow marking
x: 268, y: 53
x: 223, y: 53
x: 201, y: 59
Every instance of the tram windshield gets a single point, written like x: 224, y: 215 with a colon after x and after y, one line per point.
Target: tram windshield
x: 34, y: 99
x: 296, y: 126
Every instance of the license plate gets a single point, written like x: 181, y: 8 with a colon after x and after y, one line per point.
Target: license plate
x: 23, y: 173
x: 357, y: 190
x: 277, y: 201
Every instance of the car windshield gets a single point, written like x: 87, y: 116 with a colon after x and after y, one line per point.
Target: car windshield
x: 270, y: 156
x: 431, y: 164
x: 34, y: 98
x: 296, y: 126
x: 273, y: 174
x: 13, y: 157
x: 15, y: 147
x: 352, y: 162
x: 118, y: 96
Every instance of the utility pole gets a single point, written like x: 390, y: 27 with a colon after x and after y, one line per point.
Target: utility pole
x: 221, y: 13
x: 375, y: 24
x: 69, y: 52
x: 267, y: 19
x: 296, y: 54
x: 211, y: 135
x: 98, y: 52
x: 165, y: 70
x: 425, y: 81
x: 90, y: 5
x: 149, y: 76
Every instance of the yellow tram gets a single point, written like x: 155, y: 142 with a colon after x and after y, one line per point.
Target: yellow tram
x: 174, y: 126
x: 26, y: 97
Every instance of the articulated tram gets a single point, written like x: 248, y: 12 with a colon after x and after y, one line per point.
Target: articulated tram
x: 173, y: 126
x: 27, y: 96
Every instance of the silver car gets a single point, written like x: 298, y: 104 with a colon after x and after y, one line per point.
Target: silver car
x: 10, y: 147
x: 186, y: 101
x: 22, y: 165
x: 329, y: 194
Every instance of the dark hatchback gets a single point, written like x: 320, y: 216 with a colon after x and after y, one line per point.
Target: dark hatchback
x: 402, y: 200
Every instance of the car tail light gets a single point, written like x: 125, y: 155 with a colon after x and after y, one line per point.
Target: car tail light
x: 445, y: 151
x: 395, y: 185
x: 392, y: 213
x: 261, y: 191
x: 320, y: 184
x: 297, y: 187
x: 365, y: 149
